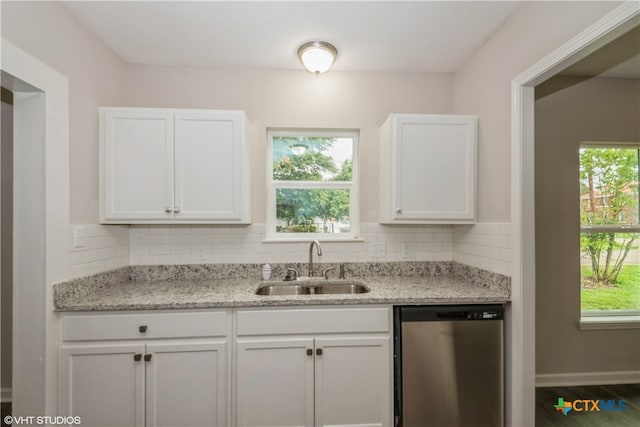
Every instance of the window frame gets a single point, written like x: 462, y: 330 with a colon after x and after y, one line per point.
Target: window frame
x: 608, y: 319
x: 353, y: 186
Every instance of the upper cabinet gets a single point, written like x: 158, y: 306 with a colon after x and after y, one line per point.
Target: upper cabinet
x: 428, y: 169
x: 173, y: 166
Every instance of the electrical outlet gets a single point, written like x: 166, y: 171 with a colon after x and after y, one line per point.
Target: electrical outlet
x: 407, y: 251
x: 79, y: 237
x: 200, y: 254
x: 377, y: 250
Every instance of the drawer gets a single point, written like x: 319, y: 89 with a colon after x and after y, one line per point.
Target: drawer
x: 123, y: 326
x: 312, y: 321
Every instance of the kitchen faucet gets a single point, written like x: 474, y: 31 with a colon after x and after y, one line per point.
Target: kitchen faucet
x: 315, y: 242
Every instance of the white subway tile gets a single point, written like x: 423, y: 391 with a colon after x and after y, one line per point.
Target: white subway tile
x: 221, y: 249
x: 79, y: 270
x: 180, y: 249
x: 91, y: 255
x: 169, y: 259
x: 231, y: 238
x: 107, y: 253
x: 506, y: 255
x: 149, y: 259
x: 75, y: 258
x: 212, y: 239
x: 499, y: 241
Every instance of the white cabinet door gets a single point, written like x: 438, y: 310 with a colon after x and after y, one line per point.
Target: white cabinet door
x: 186, y: 383
x: 137, y: 164
x: 103, y: 384
x: 353, y: 381
x: 274, y: 382
x: 208, y: 165
x: 428, y: 169
x: 163, y: 166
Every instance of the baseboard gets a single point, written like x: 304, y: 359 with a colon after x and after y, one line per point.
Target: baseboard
x: 5, y: 395
x: 587, y: 378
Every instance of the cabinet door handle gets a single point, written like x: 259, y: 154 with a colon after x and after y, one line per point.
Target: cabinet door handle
x: 176, y: 210
x: 147, y: 357
x: 398, y: 210
x: 318, y: 352
x: 168, y: 209
x: 137, y: 357
x: 142, y: 329
x: 309, y: 352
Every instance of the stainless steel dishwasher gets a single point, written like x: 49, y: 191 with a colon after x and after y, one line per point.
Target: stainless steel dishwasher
x: 449, y: 366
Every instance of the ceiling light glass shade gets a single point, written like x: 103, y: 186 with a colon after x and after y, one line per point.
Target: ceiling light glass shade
x: 317, y: 57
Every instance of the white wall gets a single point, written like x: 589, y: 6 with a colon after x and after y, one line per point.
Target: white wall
x: 276, y: 98
x: 482, y: 86
x: 285, y: 98
x: 592, y: 110
x: 48, y: 32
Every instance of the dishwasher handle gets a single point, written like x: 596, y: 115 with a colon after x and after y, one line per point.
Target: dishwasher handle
x: 453, y: 315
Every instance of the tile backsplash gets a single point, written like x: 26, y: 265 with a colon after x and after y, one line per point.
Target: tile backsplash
x: 197, y: 244
x: 102, y: 248
x: 484, y: 245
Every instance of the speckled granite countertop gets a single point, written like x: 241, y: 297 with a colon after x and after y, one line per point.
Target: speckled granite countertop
x: 234, y: 285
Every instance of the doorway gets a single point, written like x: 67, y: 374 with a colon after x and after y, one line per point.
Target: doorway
x: 522, y: 353
x: 6, y: 248
x: 40, y: 225
x: 587, y: 128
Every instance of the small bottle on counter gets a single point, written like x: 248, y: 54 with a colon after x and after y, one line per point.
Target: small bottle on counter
x: 266, y: 272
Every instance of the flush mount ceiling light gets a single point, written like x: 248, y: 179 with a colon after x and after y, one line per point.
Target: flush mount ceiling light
x: 317, y: 56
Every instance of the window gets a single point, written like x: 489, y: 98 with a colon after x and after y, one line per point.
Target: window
x: 609, y: 236
x: 311, y: 185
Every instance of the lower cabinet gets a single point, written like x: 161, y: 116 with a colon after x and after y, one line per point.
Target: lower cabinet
x: 331, y: 376
x: 103, y: 384
x: 163, y: 382
x: 316, y: 366
x: 274, y: 382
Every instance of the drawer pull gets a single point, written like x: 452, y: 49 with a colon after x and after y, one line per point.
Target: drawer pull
x: 309, y: 352
x: 147, y: 357
x: 137, y: 357
x: 318, y: 352
x: 142, y: 329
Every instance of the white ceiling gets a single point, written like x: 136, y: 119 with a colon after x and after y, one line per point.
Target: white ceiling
x: 435, y: 36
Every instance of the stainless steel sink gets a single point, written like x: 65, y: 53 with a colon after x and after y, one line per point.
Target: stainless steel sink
x: 342, y: 288
x: 280, y: 289
x: 312, y: 287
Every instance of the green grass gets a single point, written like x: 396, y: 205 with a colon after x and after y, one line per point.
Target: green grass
x: 624, y: 295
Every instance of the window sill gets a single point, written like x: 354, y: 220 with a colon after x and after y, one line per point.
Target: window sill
x: 320, y: 239
x: 613, y: 321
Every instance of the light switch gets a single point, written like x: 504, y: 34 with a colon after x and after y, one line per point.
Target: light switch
x: 407, y: 251
x: 377, y: 250
x: 78, y: 237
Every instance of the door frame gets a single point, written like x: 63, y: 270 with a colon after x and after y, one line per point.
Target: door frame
x: 41, y: 224
x: 521, y: 328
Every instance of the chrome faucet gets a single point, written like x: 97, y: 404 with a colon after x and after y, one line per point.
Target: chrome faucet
x: 319, y: 249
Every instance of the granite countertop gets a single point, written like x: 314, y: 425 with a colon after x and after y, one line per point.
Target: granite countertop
x: 180, y: 287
